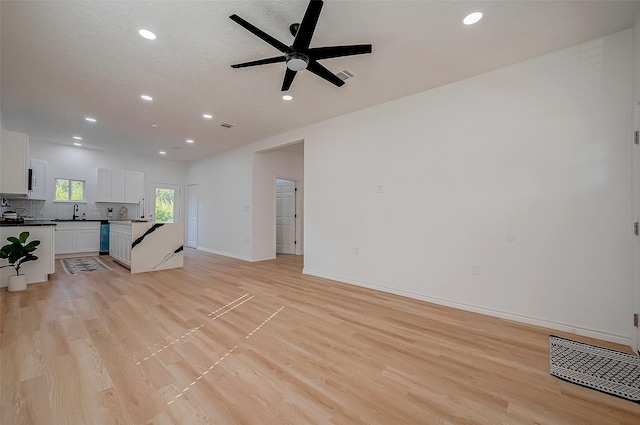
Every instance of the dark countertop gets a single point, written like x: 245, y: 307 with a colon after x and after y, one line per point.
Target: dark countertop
x: 54, y: 221
x: 69, y: 220
x: 101, y: 220
x: 27, y: 223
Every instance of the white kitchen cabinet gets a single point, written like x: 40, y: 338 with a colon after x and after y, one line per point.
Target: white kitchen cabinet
x: 39, y: 270
x: 38, y: 173
x: 14, y: 151
x: 134, y: 186
x: 119, y: 186
x: 77, y: 237
x: 120, y: 242
x: 110, y: 185
x: 88, y: 236
x: 65, y: 238
x: 103, y: 192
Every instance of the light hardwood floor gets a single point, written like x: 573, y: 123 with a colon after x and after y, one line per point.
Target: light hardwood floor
x: 223, y: 342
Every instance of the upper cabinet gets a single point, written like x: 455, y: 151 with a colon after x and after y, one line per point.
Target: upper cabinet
x: 120, y: 186
x: 103, y: 191
x: 133, y: 186
x: 14, y: 150
x: 37, y: 184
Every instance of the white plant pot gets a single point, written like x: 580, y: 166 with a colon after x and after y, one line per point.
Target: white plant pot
x: 17, y: 283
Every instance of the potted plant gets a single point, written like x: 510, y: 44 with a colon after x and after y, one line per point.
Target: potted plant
x: 17, y: 253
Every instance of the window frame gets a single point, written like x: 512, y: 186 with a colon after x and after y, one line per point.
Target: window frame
x: 69, y: 192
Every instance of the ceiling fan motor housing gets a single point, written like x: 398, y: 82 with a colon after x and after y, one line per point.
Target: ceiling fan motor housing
x: 297, y: 61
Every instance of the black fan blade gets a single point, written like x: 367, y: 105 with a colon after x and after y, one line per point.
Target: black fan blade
x: 288, y: 79
x: 337, y: 51
x: 259, y: 62
x: 323, y: 72
x: 307, y: 26
x: 261, y: 34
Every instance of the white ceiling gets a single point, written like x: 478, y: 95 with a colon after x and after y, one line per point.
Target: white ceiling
x: 62, y: 60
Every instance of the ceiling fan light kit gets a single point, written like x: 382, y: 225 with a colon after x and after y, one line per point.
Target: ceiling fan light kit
x: 297, y: 62
x: 299, y: 56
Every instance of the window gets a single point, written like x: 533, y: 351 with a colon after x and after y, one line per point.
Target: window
x: 164, y: 202
x: 164, y: 205
x: 69, y: 190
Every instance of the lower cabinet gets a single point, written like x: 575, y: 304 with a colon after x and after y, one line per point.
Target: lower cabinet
x: 88, y: 237
x: 65, y: 239
x: 120, y: 242
x: 77, y: 237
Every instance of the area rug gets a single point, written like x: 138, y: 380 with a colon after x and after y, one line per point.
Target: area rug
x: 609, y: 371
x: 83, y: 265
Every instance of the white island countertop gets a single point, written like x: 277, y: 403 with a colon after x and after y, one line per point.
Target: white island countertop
x: 154, y: 246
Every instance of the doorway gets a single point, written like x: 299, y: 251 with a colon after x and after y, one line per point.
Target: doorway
x: 165, y: 203
x: 192, y: 216
x: 286, y: 216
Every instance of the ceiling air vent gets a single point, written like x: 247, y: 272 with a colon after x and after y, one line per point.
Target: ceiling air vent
x: 345, y: 74
x: 226, y: 125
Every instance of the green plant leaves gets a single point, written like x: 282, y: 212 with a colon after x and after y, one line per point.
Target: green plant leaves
x: 16, y: 253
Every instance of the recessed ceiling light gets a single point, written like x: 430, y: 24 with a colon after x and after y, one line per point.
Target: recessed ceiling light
x: 287, y: 97
x: 77, y: 137
x: 90, y: 119
x: 472, y: 18
x: 189, y: 141
x: 146, y: 97
x: 77, y: 144
x: 147, y: 34
x: 207, y: 116
x: 162, y: 153
x: 154, y: 125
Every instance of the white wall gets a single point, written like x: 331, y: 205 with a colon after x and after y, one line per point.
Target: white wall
x: 636, y: 166
x: 237, y: 196
x: 524, y: 172
x: 636, y: 60
x: 266, y: 167
x: 224, y: 202
x: 78, y: 163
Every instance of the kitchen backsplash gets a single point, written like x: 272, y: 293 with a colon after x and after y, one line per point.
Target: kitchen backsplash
x: 58, y: 210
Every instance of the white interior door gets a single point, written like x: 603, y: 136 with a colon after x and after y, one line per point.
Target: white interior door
x: 164, y: 204
x: 285, y: 216
x: 192, y: 215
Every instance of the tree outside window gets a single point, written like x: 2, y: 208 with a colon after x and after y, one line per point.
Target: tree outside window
x: 69, y: 190
x: 164, y: 205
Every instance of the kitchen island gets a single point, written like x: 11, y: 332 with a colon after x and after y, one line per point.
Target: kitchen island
x: 39, y: 270
x: 143, y: 246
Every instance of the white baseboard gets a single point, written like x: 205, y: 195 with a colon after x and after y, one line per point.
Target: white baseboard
x: 78, y: 255
x: 236, y: 256
x: 224, y: 254
x: 263, y: 258
x: 592, y: 333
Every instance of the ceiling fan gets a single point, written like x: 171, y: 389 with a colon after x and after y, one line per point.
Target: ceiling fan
x: 299, y: 56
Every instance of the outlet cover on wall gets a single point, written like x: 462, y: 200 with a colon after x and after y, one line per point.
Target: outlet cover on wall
x: 475, y: 269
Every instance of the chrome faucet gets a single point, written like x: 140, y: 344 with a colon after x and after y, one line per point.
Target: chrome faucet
x: 75, y: 212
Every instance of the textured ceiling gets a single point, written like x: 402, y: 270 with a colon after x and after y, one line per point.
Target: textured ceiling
x: 62, y: 60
